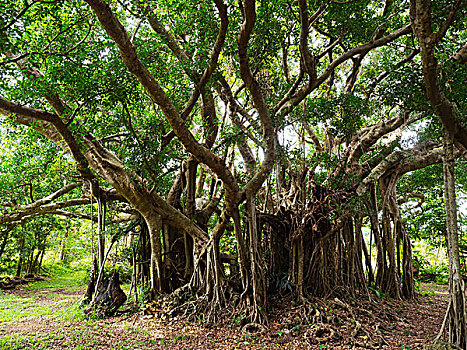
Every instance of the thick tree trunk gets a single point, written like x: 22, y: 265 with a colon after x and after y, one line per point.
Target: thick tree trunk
x: 408, y: 286
x: 243, y: 261
x: 92, y: 281
x: 109, y: 296
x: 257, y: 272
x: 391, y: 284
x: 35, y: 264
x: 457, y: 313
x: 213, y: 280
x: 397, y: 284
x: 381, y: 263
x: 367, y: 255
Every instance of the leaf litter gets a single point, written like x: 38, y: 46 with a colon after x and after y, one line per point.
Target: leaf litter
x: 379, y: 323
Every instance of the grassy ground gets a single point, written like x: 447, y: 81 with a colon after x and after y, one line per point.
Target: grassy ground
x: 54, y: 298
x: 46, y: 315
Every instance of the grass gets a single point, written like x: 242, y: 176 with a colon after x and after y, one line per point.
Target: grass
x: 56, y: 299
x: 51, y: 298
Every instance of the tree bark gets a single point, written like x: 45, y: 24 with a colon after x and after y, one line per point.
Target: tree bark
x: 457, y: 313
x: 63, y: 247
x: 3, y: 245
x: 20, y: 258
x: 154, y: 223
x: 257, y: 274
x: 101, y: 211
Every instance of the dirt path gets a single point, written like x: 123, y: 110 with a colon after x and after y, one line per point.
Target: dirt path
x: 47, y: 319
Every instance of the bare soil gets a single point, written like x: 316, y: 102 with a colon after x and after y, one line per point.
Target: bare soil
x: 379, y: 323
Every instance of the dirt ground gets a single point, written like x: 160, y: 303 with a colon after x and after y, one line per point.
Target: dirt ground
x: 379, y: 323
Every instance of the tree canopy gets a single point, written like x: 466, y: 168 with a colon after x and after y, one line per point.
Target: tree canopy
x: 247, y: 140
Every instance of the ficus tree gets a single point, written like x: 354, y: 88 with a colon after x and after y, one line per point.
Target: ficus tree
x: 190, y: 120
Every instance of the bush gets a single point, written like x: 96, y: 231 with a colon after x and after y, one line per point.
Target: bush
x: 435, y: 273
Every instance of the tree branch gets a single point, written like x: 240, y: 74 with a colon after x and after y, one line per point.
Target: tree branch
x: 258, y: 100
x: 131, y: 60
x: 421, y: 20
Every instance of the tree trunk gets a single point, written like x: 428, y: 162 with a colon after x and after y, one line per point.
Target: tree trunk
x: 40, y: 260
x: 30, y: 262
x: 92, y: 281
x: 36, y: 260
x: 381, y: 263
x: 408, y: 287
x: 3, y: 245
x: 154, y: 223
x: 457, y: 313
x: 20, y: 258
x: 257, y: 273
x: 367, y: 255
x: 101, y: 209
x: 63, y: 248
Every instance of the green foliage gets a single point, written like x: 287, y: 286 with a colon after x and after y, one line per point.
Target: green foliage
x: 280, y: 283
x: 345, y: 114
x: 440, y: 272
x: 378, y: 292
x: 80, y: 63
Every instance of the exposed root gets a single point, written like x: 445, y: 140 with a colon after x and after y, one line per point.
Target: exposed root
x: 253, y: 329
x: 200, y: 310
x: 159, y: 308
x: 441, y: 345
x: 8, y: 284
x: 321, y: 333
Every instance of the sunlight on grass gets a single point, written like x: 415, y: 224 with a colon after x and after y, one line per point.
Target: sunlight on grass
x: 55, y: 297
x: 12, y: 342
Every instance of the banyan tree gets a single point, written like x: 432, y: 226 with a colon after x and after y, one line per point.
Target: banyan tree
x: 275, y: 126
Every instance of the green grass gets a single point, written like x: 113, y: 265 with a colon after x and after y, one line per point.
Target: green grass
x: 52, y: 298
x: 49, y: 298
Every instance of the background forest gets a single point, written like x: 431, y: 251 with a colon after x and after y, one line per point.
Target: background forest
x: 228, y: 152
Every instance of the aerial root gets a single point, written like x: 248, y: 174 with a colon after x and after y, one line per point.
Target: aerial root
x: 199, y: 310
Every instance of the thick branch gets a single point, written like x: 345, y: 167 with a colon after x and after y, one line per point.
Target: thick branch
x: 130, y: 185
x: 30, y: 116
x: 130, y: 58
x: 461, y: 55
x: 306, y: 89
x: 45, y: 209
x: 402, y: 162
x: 369, y: 136
x: 258, y: 99
x: 48, y: 199
x: 420, y: 14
